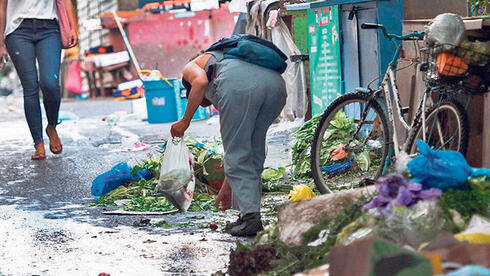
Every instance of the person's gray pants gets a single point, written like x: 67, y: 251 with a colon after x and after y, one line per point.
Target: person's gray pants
x: 249, y: 99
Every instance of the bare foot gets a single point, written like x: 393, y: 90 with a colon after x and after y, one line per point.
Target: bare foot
x: 40, y: 153
x: 54, y: 140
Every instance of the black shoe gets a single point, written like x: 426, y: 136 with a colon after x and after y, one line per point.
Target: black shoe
x: 230, y: 225
x: 248, y: 227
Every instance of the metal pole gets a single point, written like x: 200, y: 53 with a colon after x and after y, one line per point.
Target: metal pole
x: 128, y: 46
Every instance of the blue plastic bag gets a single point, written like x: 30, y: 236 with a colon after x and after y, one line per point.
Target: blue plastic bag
x: 119, y: 175
x: 439, y: 169
x: 470, y: 270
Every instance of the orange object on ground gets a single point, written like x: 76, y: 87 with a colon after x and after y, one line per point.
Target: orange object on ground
x: 339, y: 153
x: 450, y: 65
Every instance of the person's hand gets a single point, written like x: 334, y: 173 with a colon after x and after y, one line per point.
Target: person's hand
x: 3, y: 52
x: 73, y: 38
x: 223, y: 200
x: 178, y: 129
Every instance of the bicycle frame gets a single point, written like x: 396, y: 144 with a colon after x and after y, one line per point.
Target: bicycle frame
x: 388, y: 89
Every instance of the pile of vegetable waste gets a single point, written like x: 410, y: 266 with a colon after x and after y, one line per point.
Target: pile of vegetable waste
x: 401, y: 212
x: 140, y: 196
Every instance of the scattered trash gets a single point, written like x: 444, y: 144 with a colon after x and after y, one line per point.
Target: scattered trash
x: 322, y: 238
x: 339, y: 153
x: 394, y: 189
x: 377, y: 257
x: 300, y: 192
x: 469, y: 270
x: 119, y: 175
x: 439, y: 169
x: 67, y: 115
x: 478, y: 231
x: 213, y: 226
x: 402, y: 161
x: 337, y: 168
x: 142, y: 222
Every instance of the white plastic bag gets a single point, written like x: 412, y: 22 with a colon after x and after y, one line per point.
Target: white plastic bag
x: 447, y: 30
x: 176, y: 174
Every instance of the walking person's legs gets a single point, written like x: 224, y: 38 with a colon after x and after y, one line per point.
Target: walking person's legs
x: 22, y: 52
x: 48, y: 51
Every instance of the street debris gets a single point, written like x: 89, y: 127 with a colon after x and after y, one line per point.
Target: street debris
x: 398, y: 225
x: 302, y: 147
x: 300, y: 192
x: 143, y: 197
x: 119, y: 175
x: 213, y: 226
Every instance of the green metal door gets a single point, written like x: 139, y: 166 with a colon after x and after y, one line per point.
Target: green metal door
x: 325, y: 58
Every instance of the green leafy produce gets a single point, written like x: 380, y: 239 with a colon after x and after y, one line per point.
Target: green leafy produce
x: 272, y: 180
x: 301, y: 149
x: 150, y: 164
x: 363, y: 160
x: 468, y: 202
x: 273, y: 174
x: 139, y: 196
x: 338, y: 132
x: 287, y: 260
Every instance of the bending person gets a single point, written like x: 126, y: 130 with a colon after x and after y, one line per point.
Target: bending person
x: 249, y: 98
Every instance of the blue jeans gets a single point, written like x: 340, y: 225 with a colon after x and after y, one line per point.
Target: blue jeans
x: 37, y: 39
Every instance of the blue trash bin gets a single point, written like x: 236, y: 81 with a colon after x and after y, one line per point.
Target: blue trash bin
x: 202, y: 113
x: 160, y: 101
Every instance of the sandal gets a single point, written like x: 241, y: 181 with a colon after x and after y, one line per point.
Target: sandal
x: 54, y: 140
x: 40, y: 153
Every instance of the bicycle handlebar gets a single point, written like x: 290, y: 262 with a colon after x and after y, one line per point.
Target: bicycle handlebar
x: 417, y: 35
x: 371, y: 26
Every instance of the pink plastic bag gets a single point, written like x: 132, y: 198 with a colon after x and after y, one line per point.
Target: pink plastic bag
x: 73, y: 82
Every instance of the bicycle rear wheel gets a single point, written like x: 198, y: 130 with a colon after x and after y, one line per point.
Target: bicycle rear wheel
x: 446, y: 128
x: 350, y: 143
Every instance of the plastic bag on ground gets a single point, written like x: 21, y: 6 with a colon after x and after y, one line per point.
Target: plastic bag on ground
x: 447, y: 30
x: 300, y: 192
x: 439, y: 169
x: 176, y: 175
x: 478, y: 231
x: 119, y: 175
x: 413, y: 226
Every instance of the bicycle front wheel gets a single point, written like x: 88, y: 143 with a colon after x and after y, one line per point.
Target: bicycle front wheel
x: 350, y: 143
x: 446, y: 128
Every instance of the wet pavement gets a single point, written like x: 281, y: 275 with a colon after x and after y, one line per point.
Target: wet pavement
x: 47, y: 226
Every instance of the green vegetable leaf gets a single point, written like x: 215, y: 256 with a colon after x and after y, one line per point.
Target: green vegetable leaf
x: 363, y: 160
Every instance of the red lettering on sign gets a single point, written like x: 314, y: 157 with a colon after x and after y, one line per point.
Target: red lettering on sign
x: 312, y: 29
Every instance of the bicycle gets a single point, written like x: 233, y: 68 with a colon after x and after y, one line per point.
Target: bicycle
x: 357, y: 138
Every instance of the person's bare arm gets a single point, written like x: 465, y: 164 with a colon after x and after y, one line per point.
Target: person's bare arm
x: 3, y: 22
x: 71, y: 18
x: 196, y: 76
